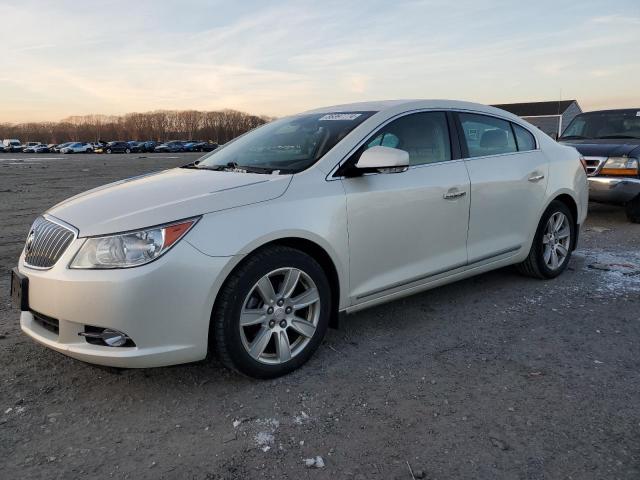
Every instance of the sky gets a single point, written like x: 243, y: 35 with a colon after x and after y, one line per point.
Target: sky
x: 63, y: 58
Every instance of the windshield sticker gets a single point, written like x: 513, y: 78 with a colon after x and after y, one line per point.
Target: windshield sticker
x: 340, y: 116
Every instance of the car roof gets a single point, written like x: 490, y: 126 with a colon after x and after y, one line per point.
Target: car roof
x: 402, y: 105
x: 632, y: 111
x: 381, y: 105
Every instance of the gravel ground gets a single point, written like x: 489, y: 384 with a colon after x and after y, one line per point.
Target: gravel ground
x: 498, y: 376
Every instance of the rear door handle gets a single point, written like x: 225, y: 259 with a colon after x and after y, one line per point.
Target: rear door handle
x: 536, y: 178
x: 453, y: 194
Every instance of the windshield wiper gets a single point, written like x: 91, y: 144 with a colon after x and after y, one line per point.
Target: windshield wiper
x: 618, y: 136
x: 573, y: 137
x: 192, y: 165
x: 234, y: 167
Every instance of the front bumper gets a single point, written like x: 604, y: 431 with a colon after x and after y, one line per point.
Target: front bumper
x: 613, y: 189
x: 164, y: 307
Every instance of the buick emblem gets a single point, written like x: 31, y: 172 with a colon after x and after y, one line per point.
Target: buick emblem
x: 29, y: 244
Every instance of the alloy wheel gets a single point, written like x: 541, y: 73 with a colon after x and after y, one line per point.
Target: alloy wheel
x: 279, y: 316
x: 556, y: 240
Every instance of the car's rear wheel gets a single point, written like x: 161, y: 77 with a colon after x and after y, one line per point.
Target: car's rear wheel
x: 551, y: 249
x: 272, y: 313
x: 632, y: 209
x: 127, y: 150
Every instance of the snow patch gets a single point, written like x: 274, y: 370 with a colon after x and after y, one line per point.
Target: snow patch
x: 619, y: 272
x: 316, y: 462
x: 300, y: 419
x: 264, y: 440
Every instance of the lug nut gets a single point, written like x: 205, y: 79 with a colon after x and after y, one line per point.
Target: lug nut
x: 280, y: 302
x: 283, y: 324
x: 270, y: 310
x: 272, y: 323
x: 288, y: 310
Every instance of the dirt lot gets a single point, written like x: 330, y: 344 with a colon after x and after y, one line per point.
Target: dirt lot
x: 498, y: 376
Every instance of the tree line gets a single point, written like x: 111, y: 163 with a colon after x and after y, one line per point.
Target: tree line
x: 160, y: 125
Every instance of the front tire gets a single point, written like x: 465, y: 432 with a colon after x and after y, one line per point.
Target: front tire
x: 552, y: 244
x: 632, y: 208
x: 272, y: 313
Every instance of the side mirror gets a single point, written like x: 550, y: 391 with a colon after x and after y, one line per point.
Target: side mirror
x: 383, y: 159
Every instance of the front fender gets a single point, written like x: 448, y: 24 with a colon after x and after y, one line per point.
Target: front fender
x: 312, y: 211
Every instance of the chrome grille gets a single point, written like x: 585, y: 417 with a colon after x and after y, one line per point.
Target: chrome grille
x: 46, y: 242
x: 594, y: 164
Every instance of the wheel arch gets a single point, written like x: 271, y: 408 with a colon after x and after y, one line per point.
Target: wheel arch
x: 570, y: 202
x: 315, y: 251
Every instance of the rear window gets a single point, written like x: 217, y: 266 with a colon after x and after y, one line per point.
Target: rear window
x: 486, y: 135
x: 526, y: 141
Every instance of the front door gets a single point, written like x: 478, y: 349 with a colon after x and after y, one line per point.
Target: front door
x: 405, y: 227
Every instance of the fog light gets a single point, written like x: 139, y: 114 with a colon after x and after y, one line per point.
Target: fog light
x: 114, y: 338
x: 106, y: 336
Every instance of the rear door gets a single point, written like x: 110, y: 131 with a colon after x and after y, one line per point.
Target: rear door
x: 508, y: 183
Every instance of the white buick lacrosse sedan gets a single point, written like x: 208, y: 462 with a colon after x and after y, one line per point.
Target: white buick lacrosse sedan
x: 258, y: 247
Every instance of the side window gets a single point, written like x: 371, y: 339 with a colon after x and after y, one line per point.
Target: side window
x: 487, y: 135
x: 424, y: 136
x: 524, y: 138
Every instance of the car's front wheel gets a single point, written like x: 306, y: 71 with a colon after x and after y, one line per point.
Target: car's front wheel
x: 272, y: 313
x: 551, y: 249
x: 632, y: 209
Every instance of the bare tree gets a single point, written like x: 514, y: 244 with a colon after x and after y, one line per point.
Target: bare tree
x: 159, y: 125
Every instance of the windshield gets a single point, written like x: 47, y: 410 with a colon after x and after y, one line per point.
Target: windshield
x: 601, y: 125
x: 289, y: 145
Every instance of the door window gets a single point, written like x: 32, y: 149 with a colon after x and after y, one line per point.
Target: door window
x: 524, y: 138
x: 485, y: 135
x: 424, y: 136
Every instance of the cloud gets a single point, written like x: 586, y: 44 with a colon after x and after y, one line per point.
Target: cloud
x: 279, y: 58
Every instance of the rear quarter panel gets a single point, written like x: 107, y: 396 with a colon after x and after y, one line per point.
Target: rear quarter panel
x: 567, y: 176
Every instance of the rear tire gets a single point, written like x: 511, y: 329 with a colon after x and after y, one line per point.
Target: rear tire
x: 632, y: 208
x: 552, y: 244
x: 267, y: 331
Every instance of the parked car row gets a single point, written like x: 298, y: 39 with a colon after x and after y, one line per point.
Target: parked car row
x: 16, y: 146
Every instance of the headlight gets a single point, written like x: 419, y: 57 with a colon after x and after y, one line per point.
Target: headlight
x: 130, y: 249
x: 624, y: 166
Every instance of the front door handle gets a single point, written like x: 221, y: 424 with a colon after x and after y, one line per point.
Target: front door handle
x: 453, y: 194
x: 536, y: 178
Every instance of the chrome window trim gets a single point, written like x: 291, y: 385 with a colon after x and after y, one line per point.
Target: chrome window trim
x: 331, y: 175
x: 506, y: 120
x: 497, y: 155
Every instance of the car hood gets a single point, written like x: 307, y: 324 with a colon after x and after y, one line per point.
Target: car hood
x: 606, y: 147
x: 164, y: 197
